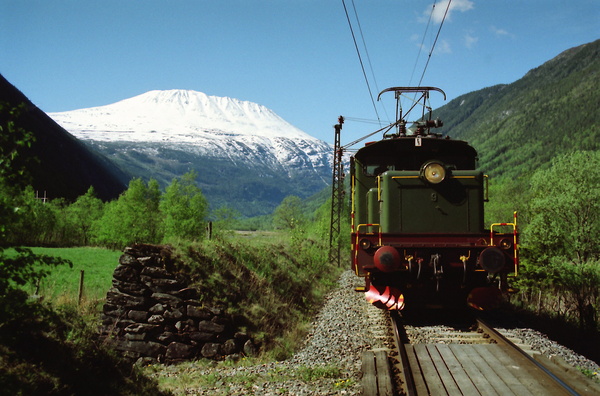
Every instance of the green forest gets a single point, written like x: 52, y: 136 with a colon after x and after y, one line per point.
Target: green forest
x: 142, y: 213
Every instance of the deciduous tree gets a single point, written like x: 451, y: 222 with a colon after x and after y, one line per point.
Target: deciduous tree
x: 184, y: 208
x: 84, y: 212
x: 562, y: 249
x: 288, y: 215
x: 565, y: 209
x: 133, y: 218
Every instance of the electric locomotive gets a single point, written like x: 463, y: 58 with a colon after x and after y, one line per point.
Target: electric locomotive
x: 418, y: 235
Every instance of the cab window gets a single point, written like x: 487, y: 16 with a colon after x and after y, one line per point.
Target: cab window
x: 377, y: 169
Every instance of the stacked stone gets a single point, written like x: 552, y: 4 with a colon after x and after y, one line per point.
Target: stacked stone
x: 150, y: 313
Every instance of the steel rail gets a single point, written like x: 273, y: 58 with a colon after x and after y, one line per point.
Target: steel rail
x: 495, y: 335
x: 409, y: 383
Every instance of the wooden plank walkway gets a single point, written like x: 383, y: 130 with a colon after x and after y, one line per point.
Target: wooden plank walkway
x: 469, y: 370
x: 377, y: 379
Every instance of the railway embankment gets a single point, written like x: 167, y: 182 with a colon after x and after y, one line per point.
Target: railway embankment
x: 327, y: 363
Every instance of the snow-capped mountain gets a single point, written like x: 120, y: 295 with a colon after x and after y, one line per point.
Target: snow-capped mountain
x: 176, y: 115
x: 163, y: 134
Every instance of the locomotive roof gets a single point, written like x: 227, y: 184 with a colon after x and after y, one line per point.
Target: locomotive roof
x: 404, y: 153
x: 407, y: 146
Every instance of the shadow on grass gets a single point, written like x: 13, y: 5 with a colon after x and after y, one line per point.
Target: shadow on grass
x: 54, y: 352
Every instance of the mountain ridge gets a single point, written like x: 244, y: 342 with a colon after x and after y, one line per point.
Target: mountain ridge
x: 195, y: 112
x: 67, y: 168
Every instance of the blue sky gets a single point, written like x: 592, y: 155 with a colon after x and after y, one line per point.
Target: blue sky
x: 296, y: 57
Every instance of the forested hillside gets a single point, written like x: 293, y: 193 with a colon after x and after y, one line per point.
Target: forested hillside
x: 58, y: 163
x: 519, y: 127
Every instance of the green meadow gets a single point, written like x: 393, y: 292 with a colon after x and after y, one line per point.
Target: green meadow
x: 98, y: 265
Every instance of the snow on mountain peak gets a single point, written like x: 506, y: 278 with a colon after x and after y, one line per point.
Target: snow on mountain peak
x: 240, y: 132
x: 176, y: 115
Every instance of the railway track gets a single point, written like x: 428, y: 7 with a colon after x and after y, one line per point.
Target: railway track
x: 475, y: 361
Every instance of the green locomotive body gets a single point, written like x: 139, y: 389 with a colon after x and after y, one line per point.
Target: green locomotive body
x: 418, y: 232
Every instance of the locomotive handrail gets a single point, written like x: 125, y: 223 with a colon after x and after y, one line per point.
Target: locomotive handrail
x: 356, y: 243
x: 368, y: 225
x: 352, y: 195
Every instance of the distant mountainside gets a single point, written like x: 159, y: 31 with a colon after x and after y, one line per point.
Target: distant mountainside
x: 67, y: 167
x: 247, y: 157
x: 519, y: 127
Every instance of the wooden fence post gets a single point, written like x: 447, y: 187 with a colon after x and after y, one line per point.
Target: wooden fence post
x: 80, y: 287
x: 209, y: 230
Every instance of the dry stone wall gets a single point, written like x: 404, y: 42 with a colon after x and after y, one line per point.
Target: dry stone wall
x: 151, y: 313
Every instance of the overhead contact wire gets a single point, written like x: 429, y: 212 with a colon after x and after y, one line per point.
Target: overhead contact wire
x: 421, y: 46
x: 368, y: 57
x: 360, y: 59
x: 435, y: 41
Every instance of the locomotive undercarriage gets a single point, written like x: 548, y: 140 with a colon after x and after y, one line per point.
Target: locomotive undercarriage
x: 432, y: 270
x: 448, y: 291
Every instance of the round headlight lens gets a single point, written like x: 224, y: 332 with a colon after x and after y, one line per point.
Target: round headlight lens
x: 434, y: 173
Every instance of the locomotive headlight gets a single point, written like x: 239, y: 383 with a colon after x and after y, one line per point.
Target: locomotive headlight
x: 365, y: 244
x: 434, y: 172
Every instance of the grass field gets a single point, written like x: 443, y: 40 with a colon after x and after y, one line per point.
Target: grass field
x: 98, y: 265
x: 275, y: 281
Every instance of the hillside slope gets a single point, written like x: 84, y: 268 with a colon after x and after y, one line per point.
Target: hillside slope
x: 519, y: 127
x: 67, y: 167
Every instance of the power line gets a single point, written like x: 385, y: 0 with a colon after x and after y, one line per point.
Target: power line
x: 422, y: 43
x: 360, y: 59
x: 363, y: 120
x: 368, y: 57
x: 435, y: 41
